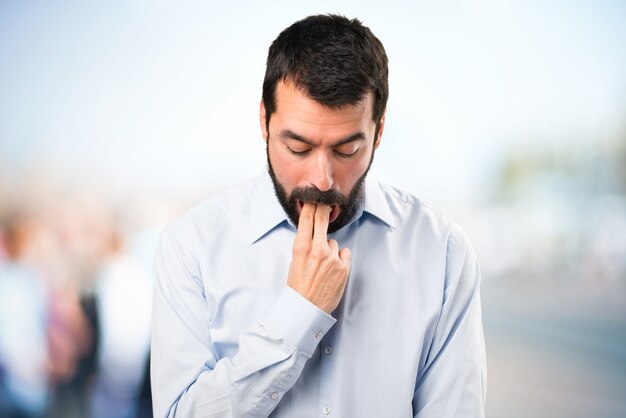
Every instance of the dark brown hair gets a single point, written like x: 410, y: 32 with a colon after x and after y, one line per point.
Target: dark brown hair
x: 334, y: 60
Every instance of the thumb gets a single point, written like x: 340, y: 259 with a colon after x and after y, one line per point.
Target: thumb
x: 345, y: 255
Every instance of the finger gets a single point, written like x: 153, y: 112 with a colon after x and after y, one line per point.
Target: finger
x: 320, y: 229
x: 305, y: 222
x: 334, y: 246
x: 345, y: 255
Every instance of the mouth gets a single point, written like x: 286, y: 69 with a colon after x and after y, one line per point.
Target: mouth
x: 334, y: 211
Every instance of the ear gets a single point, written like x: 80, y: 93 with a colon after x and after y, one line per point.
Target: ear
x: 381, y: 128
x: 263, y: 120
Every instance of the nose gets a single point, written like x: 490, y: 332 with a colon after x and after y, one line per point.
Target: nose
x: 320, y: 174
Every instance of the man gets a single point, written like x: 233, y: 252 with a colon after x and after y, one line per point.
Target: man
x: 314, y: 290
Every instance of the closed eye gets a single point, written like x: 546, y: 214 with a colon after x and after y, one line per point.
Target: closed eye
x: 299, y: 152
x: 346, y: 153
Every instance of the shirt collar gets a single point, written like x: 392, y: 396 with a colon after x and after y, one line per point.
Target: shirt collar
x: 266, y: 213
x: 375, y: 202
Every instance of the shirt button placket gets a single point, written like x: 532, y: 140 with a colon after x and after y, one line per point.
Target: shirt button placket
x: 327, y: 383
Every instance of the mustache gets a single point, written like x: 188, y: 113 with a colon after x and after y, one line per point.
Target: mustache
x: 315, y: 195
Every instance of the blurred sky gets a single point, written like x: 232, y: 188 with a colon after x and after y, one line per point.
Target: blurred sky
x: 162, y: 98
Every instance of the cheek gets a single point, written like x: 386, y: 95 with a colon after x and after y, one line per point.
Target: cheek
x: 287, y: 172
x: 347, y: 175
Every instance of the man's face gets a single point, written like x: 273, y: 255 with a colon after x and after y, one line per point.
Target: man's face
x: 319, y: 154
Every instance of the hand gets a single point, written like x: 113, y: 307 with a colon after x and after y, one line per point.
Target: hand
x: 319, y: 270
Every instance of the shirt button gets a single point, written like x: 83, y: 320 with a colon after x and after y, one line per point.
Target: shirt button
x: 274, y: 396
x: 328, y: 349
x: 319, y: 334
x: 326, y: 410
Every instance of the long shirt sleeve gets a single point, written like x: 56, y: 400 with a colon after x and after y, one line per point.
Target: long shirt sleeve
x: 453, y: 381
x: 189, y: 380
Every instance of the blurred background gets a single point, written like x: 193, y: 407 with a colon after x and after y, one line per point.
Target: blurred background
x: 508, y: 116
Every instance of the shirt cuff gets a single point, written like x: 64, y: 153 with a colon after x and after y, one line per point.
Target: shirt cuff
x: 297, y: 320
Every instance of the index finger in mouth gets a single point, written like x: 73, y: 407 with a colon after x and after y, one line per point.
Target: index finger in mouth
x: 320, y: 229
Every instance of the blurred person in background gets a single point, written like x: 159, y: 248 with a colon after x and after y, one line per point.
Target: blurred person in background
x: 254, y: 313
x: 71, y: 345
x: 123, y: 297
x: 24, y: 316
x: 45, y: 335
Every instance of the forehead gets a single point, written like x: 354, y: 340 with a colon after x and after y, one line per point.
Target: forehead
x: 292, y: 104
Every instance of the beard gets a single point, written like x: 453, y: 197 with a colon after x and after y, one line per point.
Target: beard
x: 347, y: 204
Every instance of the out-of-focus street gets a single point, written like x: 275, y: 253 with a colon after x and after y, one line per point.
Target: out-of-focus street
x: 555, y: 352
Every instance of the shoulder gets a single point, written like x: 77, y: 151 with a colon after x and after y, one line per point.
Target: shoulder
x: 232, y: 200
x: 432, y: 237
x: 219, y: 214
x: 414, y: 216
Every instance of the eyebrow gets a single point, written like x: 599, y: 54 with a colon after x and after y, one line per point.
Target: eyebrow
x: 289, y: 134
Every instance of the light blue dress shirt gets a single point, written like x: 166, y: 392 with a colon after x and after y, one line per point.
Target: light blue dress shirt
x: 231, y: 339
